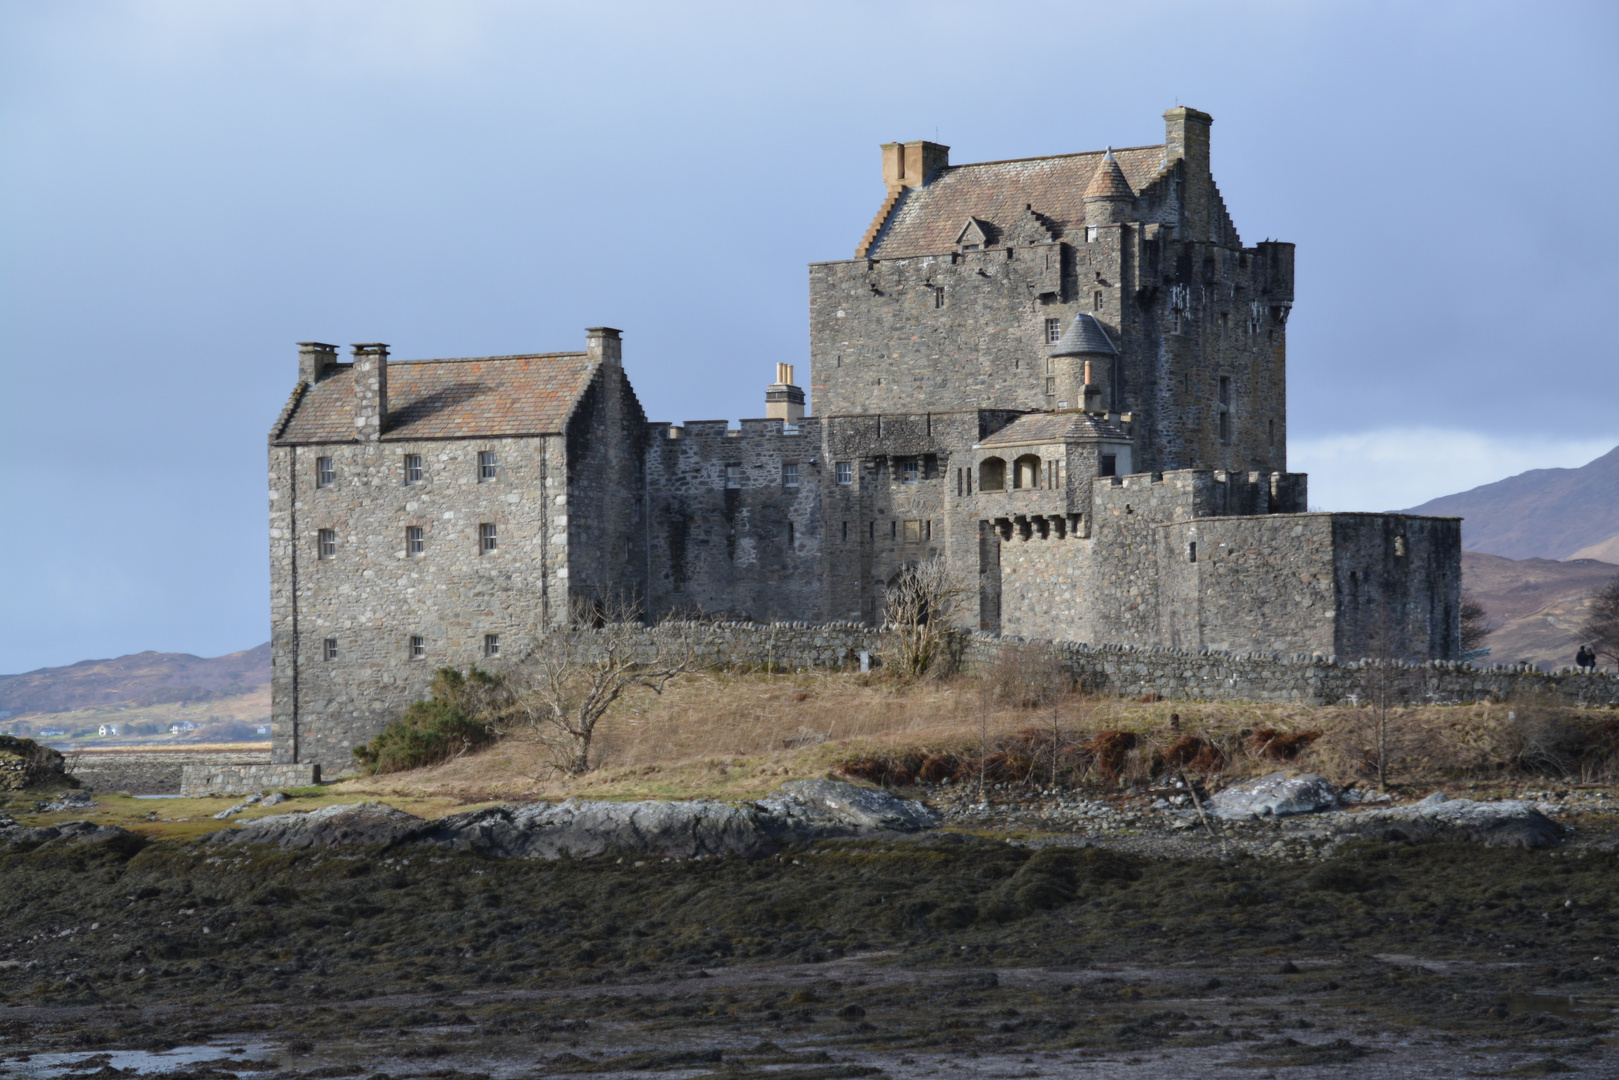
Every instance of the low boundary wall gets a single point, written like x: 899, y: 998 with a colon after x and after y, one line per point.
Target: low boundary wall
x: 246, y: 779
x: 147, y: 772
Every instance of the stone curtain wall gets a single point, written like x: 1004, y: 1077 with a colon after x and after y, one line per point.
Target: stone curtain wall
x: 1123, y: 671
x: 247, y: 779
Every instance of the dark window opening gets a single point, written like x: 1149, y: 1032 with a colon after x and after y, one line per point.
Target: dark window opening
x: 910, y: 471
x: 1225, y: 390
x: 1110, y: 465
x: 415, y: 541
x: 487, y: 540
x: 845, y: 532
x: 326, y: 541
x: 938, y: 296
x: 1225, y: 427
x: 790, y: 536
x: 1191, y: 551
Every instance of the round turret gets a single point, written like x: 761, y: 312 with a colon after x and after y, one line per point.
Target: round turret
x: 1082, y: 363
x: 1108, y: 196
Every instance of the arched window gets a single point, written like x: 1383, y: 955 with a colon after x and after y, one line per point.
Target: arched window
x: 992, y: 475
x: 1027, y: 474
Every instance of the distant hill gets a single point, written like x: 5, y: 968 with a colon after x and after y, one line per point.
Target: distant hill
x: 147, y: 678
x: 1542, y: 513
x: 1535, y: 603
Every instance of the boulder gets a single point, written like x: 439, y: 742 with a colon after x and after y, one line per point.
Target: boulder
x: 25, y: 764
x: 1276, y: 795
x: 823, y: 803
x: 1504, y: 823
x: 65, y: 834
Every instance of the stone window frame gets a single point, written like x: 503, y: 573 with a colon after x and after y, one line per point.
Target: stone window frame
x: 844, y: 472
x: 1097, y: 299
x: 910, y: 470
x: 328, y: 649
x: 413, y: 468
x: 325, y: 544
x: 416, y: 649
x: 325, y: 472
x: 488, y: 537
x: 733, y: 476
x: 789, y: 474
x: 488, y: 466
x: 415, y: 541
x: 491, y: 645
x: 1051, y: 386
x: 913, y: 530
x: 1021, y: 469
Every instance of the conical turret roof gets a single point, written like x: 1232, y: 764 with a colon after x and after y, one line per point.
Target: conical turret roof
x: 1108, y: 181
x: 1084, y: 337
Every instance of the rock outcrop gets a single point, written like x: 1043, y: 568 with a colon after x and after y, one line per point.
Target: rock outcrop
x: 798, y: 812
x: 1275, y: 795
x: 25, y: 764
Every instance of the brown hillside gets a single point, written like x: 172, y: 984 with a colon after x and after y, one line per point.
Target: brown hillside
x: 1542, y: 513
x: 147, y: 678
x: 1535, y: 603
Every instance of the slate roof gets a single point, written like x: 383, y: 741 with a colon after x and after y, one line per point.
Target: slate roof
x: 1108, y: 181
x: 1055, y: 427
x: 927, y: 220
x: 1084, y: 337
x: 450, y: 399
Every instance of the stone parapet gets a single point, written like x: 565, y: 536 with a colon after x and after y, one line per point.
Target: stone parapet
x: 198, y: 780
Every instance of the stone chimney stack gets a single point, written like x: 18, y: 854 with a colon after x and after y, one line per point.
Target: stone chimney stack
x: 909, y: 165
x: 783, y: 400
x: 604, y: 346
x: 315, y: 360
x: 370, y: 390
x: 1186, y: 136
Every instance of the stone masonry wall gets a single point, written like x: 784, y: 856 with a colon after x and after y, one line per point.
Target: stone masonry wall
x: 147, y: 772
x: 199, y: 780
x: 1210, y: 675
x: 371, y: 596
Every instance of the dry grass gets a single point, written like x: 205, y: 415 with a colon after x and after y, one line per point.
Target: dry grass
x: 737, y: 736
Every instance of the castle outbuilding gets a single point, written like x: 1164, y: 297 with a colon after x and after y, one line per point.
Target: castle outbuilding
x: 1066, y: 376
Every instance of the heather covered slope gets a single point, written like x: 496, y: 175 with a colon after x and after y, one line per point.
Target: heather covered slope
x: 1535, y: 604
x: 1542, y: 513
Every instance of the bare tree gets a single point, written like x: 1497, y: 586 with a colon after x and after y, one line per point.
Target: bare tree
x: 919, y: 605
x: 577, y: 671
x: 1600, y: 629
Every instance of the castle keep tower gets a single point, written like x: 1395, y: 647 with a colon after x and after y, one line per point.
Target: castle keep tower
x: 970, y: 271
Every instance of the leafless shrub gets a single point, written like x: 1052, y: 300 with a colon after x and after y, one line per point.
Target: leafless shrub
x: 1476, y: 624
x: 1600, y: 629
x: 1028, y: 675
x: 916, y: 623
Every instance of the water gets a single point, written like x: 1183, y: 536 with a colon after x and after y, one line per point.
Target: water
x: 143, y: 1061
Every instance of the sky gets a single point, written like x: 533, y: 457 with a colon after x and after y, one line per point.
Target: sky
x: 188, y: 188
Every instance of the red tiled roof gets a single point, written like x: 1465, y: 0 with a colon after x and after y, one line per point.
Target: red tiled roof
x: 1055, y: 427
x: 928, y: 219
x: 440, y: 399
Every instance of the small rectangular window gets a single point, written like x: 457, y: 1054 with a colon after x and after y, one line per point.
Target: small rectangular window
x: 958, y: 483
x: 871, y: 531
x: 1096, y: 301
x: 326, y: 541
x: 733, y: 476
x: 1053, y: 331
x: 893, y: 530
x: 330, y: 649
x: 487, y: 540
x: 845, y: 532
x: 910, y: 471
x: 1272, y: 433
x: 413, y: 468
x: 927, y: 529
x: 1225, y: 390
x: 845, y: 472
x: 1225, y: 320
x: 491, y: 644
x: 488, y: 467
x: 1090, y: 234
x: 418, y: 647
x: 324, y: 473
x: 938, y: 296
x: 1051, y: 386
x: 1191, y: 551
x: 1225, y: 427
x: 415, y: 542
x: 1175, y: 321
x: 1110, y: 465
x: 913, y: 532
x: 791, y: 538
x: 789, y: 474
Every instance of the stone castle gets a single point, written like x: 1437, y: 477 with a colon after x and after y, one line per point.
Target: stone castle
x: 1066, y: 376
